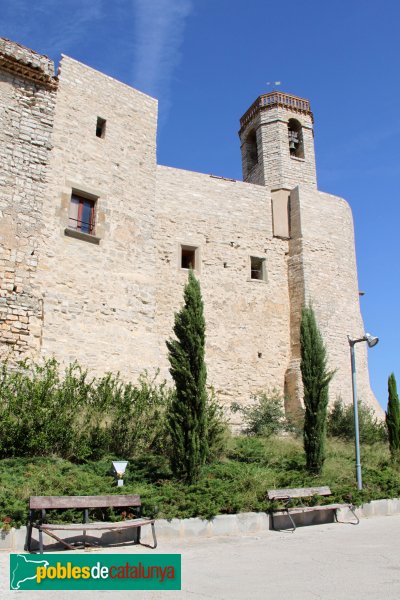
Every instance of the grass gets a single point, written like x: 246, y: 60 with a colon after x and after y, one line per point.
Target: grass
x: 236, y: 483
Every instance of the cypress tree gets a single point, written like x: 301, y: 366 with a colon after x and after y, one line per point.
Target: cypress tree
x: 316, y: 380
x: 187, y: 417
x: 393, y: 418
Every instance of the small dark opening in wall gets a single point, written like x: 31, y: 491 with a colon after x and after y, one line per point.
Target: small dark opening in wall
x: 257, y: 268
x: 252, y: 150
x: 188, y: 258
x: 100, y: 127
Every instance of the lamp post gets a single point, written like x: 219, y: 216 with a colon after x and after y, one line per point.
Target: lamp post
x: 371, y: 341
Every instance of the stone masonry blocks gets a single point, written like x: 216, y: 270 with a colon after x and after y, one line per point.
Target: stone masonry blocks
x: 110, y: 304
x: 26, y: 118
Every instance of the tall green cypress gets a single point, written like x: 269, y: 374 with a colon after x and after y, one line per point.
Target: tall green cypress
x: 187, y: 417
x: 393, y: 418
x: 316, y: 380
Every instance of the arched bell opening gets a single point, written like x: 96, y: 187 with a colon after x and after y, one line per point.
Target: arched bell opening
x: 251, y: 150
x: 295, y: 135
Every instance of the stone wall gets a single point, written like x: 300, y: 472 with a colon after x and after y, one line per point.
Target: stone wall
x: 322, y: 269
x: 107, y: 299
x: 99, y: 298
x: 247, y: 320
x: 27, y: 96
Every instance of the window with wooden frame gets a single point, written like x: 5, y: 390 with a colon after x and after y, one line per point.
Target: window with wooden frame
x: 82, y: 214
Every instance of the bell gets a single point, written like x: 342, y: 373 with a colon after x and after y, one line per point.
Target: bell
x: 292, y: 145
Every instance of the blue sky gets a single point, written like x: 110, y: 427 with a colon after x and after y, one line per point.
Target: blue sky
x: 207, y: 60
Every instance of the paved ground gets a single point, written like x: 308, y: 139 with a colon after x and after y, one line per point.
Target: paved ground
x: 329, y: 562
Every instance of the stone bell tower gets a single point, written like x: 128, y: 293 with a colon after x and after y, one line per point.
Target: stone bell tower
x: 277, y: 142
x: 316, y: 237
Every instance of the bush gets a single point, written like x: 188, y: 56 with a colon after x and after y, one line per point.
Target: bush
x: 236, y: 484
x: 248, y: 450
x: 265, y: 417
x: 341, y: 423
x: 44, y: 414
x: 217, y: 427
x: 125, y: 419
x: 39, y: 412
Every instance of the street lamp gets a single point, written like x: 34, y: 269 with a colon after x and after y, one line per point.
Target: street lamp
x: 371, y: 341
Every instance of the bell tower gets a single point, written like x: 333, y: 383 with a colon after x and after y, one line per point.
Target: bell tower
x: 277, y: 142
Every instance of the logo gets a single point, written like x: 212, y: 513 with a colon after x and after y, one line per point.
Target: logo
x: 95, y: 572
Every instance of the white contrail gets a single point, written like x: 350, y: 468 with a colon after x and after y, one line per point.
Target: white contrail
x: 159, y: 31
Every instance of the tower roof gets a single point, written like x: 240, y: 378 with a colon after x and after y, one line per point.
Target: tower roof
x: 273, y: 99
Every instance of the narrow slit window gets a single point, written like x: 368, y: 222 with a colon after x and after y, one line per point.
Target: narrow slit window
x: 257, y: 266
x: 100, y: 127
x: 188, y: 257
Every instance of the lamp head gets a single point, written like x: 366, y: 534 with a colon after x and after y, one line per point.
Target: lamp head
x: 120, y: 467
x: 371, y: 340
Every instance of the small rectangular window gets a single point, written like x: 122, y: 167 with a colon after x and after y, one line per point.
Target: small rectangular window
x: 100, y: 127
x: 188, y: 257
x: 81, y: 214
x: 257, y: 266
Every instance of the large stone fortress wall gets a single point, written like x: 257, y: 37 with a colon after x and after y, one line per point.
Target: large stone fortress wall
x: 248, y: 338
x: 106, y: 297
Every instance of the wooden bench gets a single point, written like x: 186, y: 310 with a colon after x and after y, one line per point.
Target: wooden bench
x: 39, y: 504
x: 286, y: 496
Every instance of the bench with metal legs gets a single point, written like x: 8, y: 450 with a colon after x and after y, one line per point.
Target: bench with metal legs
x: 39, y: 504
x: 288, y: 495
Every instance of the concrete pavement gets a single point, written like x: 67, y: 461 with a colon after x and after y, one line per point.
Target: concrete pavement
x: 329, y: 562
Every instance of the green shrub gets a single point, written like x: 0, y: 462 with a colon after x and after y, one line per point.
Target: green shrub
x: 217, y: 427
x: 43, y: 413
x: 248, y: 450
x: 341, y: 423
x: 125, y: 419
x: 38, y: 410
x: 265, y: 417
x: 238, y: 483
